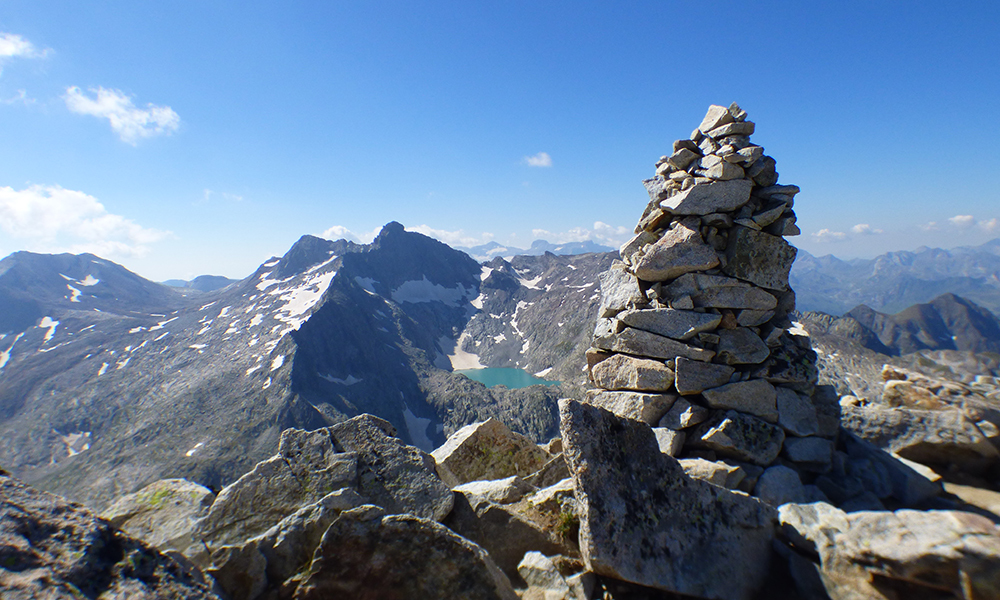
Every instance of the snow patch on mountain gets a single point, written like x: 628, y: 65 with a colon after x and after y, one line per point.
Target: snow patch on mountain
x: 48, y: 323
x: 423, y: 290
x: 454, y: 357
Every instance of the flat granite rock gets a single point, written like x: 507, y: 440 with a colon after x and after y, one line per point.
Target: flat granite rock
x: 645, y: 521
x: 486, y: 450
x: 680, y: 250
x: 735, y: 435
x: 693, y: 376
x: 644, y: 343
x: 755, y: 397
x: 703, y: 199
x: 648, y: 408
x: 162, y: 514
x: 677, y: 324
x: 621, y: 372
x: 619, y: 290
x: 760, y: 258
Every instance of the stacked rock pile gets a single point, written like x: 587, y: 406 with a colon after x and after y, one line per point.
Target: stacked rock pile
x: 694, y: 336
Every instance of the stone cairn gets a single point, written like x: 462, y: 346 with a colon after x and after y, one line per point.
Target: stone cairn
x: 694, y: 336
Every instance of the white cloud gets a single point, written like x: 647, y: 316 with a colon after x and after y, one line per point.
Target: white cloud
x: 932, y: 226
x: 15, y: 46
x: 453, y: 238
x: 53, y: 219
x: 601, y: 233
x: 339, y: 232
x: 130, y: 123
x: 826, y: 235
x: 990, y: 225
x: 962, y: 220
x: 865, y: 229
x: 209, y: 194
x: 542, y: 159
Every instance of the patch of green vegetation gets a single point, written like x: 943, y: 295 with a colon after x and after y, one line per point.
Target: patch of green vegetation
x: 568, y: 522
x: 157, y: 498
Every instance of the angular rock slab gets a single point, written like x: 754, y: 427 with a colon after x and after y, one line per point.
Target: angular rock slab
x: 743, y: 437
x: 52, y: 548
x: 644, y: 343
x: 796, y: 413
x: 392, y: 474
x: 484, y: 451
x: 706, y: 198
x: 645, y: 521
x: 676, y: 324
x: 622, y: 372
x: 680, y: 250
x: 901, y: 554
x: 741, y: 346
x: 716, y: 291
x: 755, y: 397
x: 692, y: 376
x: 619, y: 290
x: 365, y: 554
x: 684, y: 414
x: 162, y: 514
x: 758, y: 257
x: 648, y: 408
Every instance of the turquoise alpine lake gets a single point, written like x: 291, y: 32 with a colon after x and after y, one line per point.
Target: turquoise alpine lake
x: 512, y: 378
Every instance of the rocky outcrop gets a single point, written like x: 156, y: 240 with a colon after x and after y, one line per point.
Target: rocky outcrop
x: 163, y: 514
x: 487, y: 450
x: 53, y: 548
x: 368, y: 554
x: 889, y: 555
x: 643, y: 520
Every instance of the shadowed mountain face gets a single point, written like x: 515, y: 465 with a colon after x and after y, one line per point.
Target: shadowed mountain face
x: 891, y: 282
x: 109, y: 381
x: 947, y: 322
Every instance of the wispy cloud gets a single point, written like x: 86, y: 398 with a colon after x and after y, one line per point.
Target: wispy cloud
x: 865, y: 229
x: 21, y: 97
x: 990, y: 224
x: 454, y: 238
x: 827, y: 235
x: 542, y: 159
x: 208, y: 195
x: 129, y: 122
x: 53, y: 219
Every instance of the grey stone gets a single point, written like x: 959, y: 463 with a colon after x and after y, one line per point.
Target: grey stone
x: 53, y: 548
x: 755, y: 397
x: 780, y: 485
x: 683, y: 157
x: 763, y: 172
x: 684, y: 414
x: 748, y: 223
x: 644, y: 343
x: 712, y: 197
x: 796, y: 413
x: 739, y: 436
x: 724, y: 171
x: 715, y: 291
x: 392, y: 474
x: 541, y: 574
x: 766, y: 217
x: 648, y: 408
x: 676, y: 324
x: 497, y: 491
x: 901, y: 554
x: 622, y: 372
x: 306, y: 468
x: 638, y: 241
x: 785, y: 226
x: 367, y: 555
x: 738, y: 113
x: 741, y: 346
x: 680, y: 250
x: 670, y: 442
x: 693, y: 376
x: 750, y: 154
x: 873, y: 475
x: 758, y: 257
x: 794, y: 367
x: 719, y: 220
x: 239, y: 570
x: 930, y: 437
x: 487, y: 450
x: 714, y: 472
x: 744, y: 128
x: 809, y: 453
x: 619, y: 290
x: 774, y: 190
x: 753, y: 318
x: 646, y: 522
x: 162, y: 514
x: 716, y: 116
x: 867, y: 501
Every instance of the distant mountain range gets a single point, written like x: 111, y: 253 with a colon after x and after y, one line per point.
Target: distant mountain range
x: 202, y: 283
x: 891, y: 282
x: 109, y: 381
x: 491, y: 250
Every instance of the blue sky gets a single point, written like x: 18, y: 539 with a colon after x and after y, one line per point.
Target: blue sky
x: 187, y: 138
